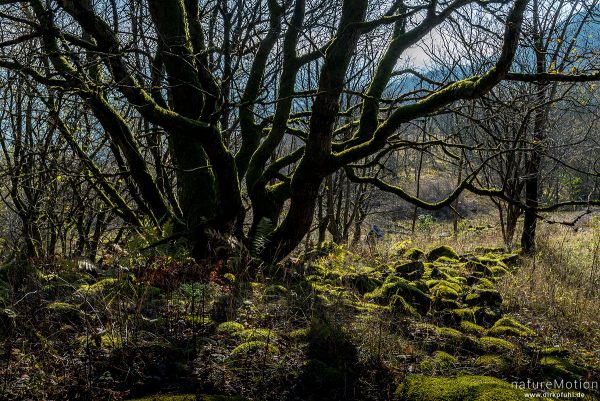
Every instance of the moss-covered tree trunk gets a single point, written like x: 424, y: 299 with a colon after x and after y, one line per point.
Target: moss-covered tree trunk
x: 316, y: 163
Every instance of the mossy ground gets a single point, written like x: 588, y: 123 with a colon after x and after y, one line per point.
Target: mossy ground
x: 461, y: 388
x: 340, y: 325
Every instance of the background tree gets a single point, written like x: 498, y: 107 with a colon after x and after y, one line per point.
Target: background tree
x: 223, y: 117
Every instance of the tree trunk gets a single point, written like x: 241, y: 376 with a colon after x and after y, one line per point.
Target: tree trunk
x: 533, y: 168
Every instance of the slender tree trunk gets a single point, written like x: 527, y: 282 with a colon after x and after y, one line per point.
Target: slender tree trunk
x: 533, y: 169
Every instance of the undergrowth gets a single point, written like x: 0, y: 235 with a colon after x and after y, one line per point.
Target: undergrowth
x: 396, y: 321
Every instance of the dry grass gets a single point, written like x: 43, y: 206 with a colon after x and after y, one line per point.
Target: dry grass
x: 319, y: 327
x: 557, y: 289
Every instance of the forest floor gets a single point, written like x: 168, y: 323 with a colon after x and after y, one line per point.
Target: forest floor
x: 434, y: 317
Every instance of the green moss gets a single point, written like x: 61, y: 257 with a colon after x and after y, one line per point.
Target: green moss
x: 168, y: 397
x: 445, y: 304
x: 412, y: 270
x: 491, y: 261
x: 369, y: 307
x: 445, y: 260
x: 497, y: 271
x: 230, y: 327
x: 464, y: 314
x: 253, y: 347
x: 484, y: 298
x: 484, y: 284
x: 447, y: 274
x: 65, y: 309
x: 446, y: 333
x: 400, y: 248
x: 398, y: 305
x: 510, y: 259
x: 493, y: 362
x: 446, y: 289
x: 462, y: 388
x: 454, y: 273
x: 471, y: 328
x: 399, y: 286
x: 362, y: 282
x: 104, y: 341
x: 554, y: 351
x: 207, y: 397
x: 275, y: 291
x: 478, y: 268
x: 414, y: 253
x: 440, y: 251
x: 256, y: 334
x: 556, y: 367
x: 472, y: 298
x: 191, y: 397
x: 299, y: 335
x: 493, y: 344
x: 488, y: 249
x: 99, y: 287
x: 510, y: 327
x: 200, y: 320
x: 440, y: 361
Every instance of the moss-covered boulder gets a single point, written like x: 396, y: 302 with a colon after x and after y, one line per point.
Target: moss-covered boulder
x: 444, y: 304
x: 445, y: 289
x: 414, y: 254
x: 363, y: 282
x: 399, y: 306
x: 461, y: 388
x: 275, y: 291
x: 191, y: 397
x: 253, y: 347
x: 483, y: 284
x: 486, y: 316
x: 168, y: 397
x: 493, y: 363
x: 230, y: 328
x: 484, y: 266
x: 442, y: 251
x: 510, y: 259
x: 553, y: 367
x: 484, y: 297
x: 539, y: 351
x: 102, y: 287
x: 412, y: 270
x: 463, y: 314
x: 471, y: 328
x: 497, y: 271
x: 211, y: 397
x: 496, y: 345
x: 439, y: 362
x: 65, y: 312
x: 256, y: 334
x: 443, y: 338
x: 408, y: 290
x: 426, y: 330
x: 507, y: 326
